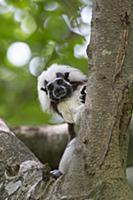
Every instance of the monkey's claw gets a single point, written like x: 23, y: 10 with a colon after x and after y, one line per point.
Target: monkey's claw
x: 55, y: 173
x: 83, y: 94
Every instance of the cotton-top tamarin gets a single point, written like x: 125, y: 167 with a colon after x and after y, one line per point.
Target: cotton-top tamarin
x: 62, y: 89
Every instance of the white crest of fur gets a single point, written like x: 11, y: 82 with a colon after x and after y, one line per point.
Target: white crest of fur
x: 49, y: 75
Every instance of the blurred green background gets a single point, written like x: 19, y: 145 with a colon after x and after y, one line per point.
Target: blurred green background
x: 33, y: 35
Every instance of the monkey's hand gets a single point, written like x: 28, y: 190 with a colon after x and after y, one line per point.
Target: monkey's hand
x: 56, y: 173
x: 83, y: 94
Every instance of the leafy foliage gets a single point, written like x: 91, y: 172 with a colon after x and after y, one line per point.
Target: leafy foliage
x: 41, y: 25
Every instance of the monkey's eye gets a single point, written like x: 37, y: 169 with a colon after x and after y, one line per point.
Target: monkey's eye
x: 50, y: 87
x: 59, y: 82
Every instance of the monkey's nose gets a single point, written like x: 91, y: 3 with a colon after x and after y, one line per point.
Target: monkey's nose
x: 59, y: 92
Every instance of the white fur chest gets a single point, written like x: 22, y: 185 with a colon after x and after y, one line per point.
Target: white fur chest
x: 70, y: 107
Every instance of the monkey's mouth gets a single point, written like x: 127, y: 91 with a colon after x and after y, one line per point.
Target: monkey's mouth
x: 59, y: 93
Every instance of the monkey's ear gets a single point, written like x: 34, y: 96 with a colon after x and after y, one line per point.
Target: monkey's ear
x: 67, y: 75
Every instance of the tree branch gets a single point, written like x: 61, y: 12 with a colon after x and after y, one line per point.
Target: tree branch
x: 22, y: 175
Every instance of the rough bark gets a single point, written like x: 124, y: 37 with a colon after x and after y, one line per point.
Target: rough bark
x: 22, y: 176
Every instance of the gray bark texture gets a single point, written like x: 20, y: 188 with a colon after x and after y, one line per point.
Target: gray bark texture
x: 97, y: 168
x: 22, y: 176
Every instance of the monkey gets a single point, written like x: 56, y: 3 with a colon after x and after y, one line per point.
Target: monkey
x: 62, y: 90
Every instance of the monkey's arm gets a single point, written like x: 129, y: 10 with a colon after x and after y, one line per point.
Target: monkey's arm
x: 65, y: 160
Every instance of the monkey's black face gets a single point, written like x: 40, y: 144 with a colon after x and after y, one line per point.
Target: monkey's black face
x: 58, y: 89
